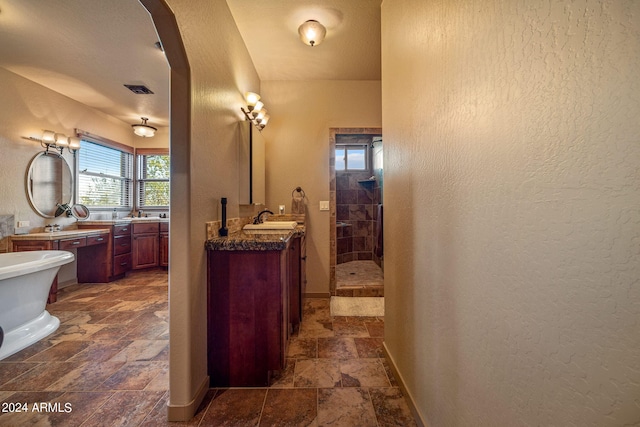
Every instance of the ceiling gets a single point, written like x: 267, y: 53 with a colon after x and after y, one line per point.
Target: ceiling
x: 112, y: 43
x: 350, y: 51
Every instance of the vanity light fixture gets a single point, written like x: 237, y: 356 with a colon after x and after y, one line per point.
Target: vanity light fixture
x: 312, y: 32
x: 56, y: 141
x: 143, y: 129
x: 252, y: 100
x: 255, y: 111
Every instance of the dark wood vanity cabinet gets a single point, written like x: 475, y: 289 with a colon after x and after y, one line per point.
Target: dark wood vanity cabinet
x: 121, y: 249
x: 164, y: 244
x: 145, y: 248
x: 297, y: 280
x: 119, y: 258
x: 92, y: 257
x: 248, y: 315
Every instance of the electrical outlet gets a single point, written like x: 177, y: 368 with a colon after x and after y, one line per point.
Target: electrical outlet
x: 324, y: 205
x: 23, y: 224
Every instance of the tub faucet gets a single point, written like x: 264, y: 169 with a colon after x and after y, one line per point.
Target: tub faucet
x: 258, y: 218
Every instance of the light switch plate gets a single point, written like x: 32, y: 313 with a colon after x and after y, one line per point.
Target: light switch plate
x: 324, y: 205
x: 23, y: 224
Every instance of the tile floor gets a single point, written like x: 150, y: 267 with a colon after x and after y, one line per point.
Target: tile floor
x: 107, y: 365
x: 359, y: 279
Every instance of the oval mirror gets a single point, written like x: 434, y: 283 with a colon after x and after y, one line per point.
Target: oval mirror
x: 49, y: 183
x: 80, y: 212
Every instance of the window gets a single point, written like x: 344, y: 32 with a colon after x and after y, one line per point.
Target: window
x: 105, y: 177
x: 352, y: 157
x: 152, y: 176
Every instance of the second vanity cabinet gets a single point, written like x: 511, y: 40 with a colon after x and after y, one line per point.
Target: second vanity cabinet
x: 92, y: 252
x: 120, y: 253
x: 145, y: 251
x: 164, y: 244
x: 254, y: 301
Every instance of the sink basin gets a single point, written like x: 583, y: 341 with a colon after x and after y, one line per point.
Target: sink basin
x: 271, y: 225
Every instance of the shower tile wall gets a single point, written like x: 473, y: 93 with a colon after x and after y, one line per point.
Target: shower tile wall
x: 356, y: 206
x: 376, y: 154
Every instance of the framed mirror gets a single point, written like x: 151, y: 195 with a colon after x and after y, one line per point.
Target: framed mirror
x: 49, y: 183
x: 252, y: 165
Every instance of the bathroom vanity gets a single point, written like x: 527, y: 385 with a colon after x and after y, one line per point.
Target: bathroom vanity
x: 254, y: 301
x: 138, y: 243
x: 93, y: 250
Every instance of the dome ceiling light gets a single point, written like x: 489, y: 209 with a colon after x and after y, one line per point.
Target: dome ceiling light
x: 143, y: 129
x: 312, y: 32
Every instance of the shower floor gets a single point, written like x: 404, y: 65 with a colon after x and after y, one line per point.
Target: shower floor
x: 359, y: 279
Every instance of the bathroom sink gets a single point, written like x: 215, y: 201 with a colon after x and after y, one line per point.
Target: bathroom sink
x: 271, y: 225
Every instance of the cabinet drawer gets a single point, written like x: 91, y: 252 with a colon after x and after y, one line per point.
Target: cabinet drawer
x: 164, y: 227
x: 34, y: 245
x: 97, y: 240
x: 122, y: 230
x: 72, y: 243
x: 142, y: 228
x: 121, y: 245
x: 121, y: 264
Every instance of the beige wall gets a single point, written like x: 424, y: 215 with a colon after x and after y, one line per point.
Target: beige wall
x: 511, y: 142
x: 205, y: 168
x: 26, y: 109
x: 297, y: 150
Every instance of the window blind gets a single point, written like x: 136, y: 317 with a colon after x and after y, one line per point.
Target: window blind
x: 105, y: 177
x: 152, y: 180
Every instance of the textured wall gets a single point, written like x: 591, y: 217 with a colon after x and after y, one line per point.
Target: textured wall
x: 205, y: 168
x: 297, y: 150
x: 26, y: 109
x: 512, y: 228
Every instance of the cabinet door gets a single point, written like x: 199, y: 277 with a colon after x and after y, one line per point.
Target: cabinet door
x: 145, y: 251
x: 295, y: 296
x: 164, y: 249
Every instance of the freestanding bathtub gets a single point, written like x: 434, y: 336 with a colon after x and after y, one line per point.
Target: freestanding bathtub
x: 25, y: 280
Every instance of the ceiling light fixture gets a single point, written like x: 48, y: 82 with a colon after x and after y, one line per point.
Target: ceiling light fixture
x: 143, y: 129
x: 312, y: 32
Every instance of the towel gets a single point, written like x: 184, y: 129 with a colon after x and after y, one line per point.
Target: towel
x: 297, y: 205
x: 378, y: 250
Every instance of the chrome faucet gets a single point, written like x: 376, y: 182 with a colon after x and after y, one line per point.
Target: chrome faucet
x: 258, y: 218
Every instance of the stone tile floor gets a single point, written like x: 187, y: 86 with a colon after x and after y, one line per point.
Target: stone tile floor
x: 359, y: 279
x: 107, y: 365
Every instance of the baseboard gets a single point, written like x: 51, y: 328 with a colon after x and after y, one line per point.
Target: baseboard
x: 70, y: 282
x: 317, y: 295
x: 420, y: 421
x: 188, y: 411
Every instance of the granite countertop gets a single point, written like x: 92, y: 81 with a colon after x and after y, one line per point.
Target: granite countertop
x: 250, y: 240
x: 64, y: 234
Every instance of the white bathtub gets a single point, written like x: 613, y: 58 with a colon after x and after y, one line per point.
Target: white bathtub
x: 25, y: 280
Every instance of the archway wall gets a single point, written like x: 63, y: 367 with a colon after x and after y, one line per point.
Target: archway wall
x: 210, y: 71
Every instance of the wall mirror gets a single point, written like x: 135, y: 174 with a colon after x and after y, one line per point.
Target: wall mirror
x: 252, y: 165
x: 49, y: 183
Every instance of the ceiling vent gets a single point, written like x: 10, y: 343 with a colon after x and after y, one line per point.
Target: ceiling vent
x: 139, y: 89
